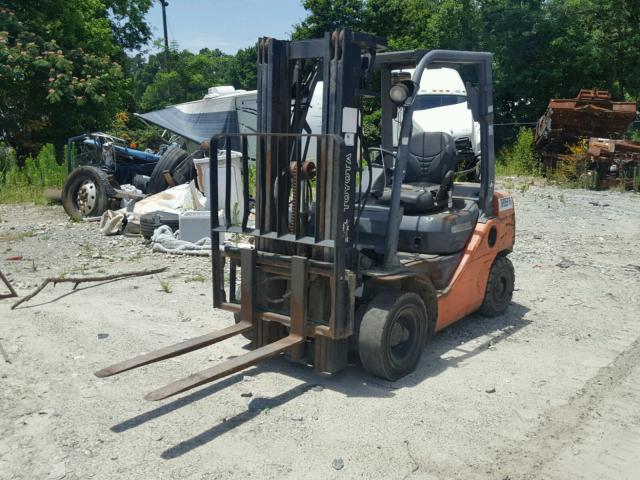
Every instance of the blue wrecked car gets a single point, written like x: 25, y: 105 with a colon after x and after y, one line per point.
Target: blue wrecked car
x: 100, y: 164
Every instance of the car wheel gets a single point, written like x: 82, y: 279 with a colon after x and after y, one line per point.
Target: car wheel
x: 86, y: 192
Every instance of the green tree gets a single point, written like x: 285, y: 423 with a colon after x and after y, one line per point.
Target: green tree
x: 245, y: 72
x: 59, y: 73
x: 327, y: 15
x: 186, y: 76
x: 128, y: 23
x: 596, y: 45
x: 519, y: 35
x: 182, y: 75
x: 424, y: 23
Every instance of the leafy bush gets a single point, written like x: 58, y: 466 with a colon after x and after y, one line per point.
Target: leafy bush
x: 48, y: 173
x: 147, y: 136
x: 520, y: 158
x: 572, y: 168
x: 371, y: 128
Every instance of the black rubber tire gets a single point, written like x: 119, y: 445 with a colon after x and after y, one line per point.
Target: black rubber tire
x: 186, y: 171
x: 74, y: 181
x: 168, y: 162
x: 499, y: 289
x: 147, y: 230
x: 150, y: 221
x: 385, y: 313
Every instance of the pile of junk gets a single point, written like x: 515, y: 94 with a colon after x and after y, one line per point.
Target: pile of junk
x: 583, y: 137
x: 177, y: 219
x: 163, y: 192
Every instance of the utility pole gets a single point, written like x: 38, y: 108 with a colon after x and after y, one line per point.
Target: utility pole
x: 165, y: 4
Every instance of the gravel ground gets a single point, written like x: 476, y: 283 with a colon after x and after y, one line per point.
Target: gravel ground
x: 550, y: 390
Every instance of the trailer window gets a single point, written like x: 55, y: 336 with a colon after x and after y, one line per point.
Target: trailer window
x: 425, y: 102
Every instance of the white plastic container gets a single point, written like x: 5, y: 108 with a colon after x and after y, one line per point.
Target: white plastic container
x: 195, y: 225
x: 202, y: 169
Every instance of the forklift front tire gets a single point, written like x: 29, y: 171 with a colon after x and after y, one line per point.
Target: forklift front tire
x: 392, y: 334
x: 499, y: 287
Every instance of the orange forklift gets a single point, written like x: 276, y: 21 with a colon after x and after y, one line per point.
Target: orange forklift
x: 356, y: 249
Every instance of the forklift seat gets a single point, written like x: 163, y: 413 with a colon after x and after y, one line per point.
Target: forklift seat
x: 432, y: 155
x: 429, y: 174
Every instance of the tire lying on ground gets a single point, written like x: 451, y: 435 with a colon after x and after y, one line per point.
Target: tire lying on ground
x: 86, y: 192
x: 150, y: 221
x: 168, y: 162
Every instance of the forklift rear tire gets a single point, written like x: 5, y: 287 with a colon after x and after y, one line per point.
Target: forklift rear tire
x: 392, y: 334
x: 499, y: 287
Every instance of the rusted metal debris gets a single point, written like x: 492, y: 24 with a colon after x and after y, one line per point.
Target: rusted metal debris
x: 591, y: 114
x: 588, y: 130
x: 615, y: 162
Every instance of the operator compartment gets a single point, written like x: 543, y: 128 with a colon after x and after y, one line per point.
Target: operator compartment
x: 433, y: 220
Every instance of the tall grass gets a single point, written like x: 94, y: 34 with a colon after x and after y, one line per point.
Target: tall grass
x: 25, y: 183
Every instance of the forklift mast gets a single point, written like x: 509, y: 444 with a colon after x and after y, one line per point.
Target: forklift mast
x: 288, y: 74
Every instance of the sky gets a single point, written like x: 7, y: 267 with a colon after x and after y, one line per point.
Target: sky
x: 225, y: 24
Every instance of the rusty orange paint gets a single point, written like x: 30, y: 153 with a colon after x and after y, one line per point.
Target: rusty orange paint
x: 466, y: 290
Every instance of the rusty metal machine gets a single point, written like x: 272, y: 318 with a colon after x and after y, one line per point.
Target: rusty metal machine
x: 591, y: 114
x: 355, y: 249
x: 598, y: 122
x: 614, y: 163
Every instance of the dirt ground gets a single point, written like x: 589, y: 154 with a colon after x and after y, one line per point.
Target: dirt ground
x: 550, y: 390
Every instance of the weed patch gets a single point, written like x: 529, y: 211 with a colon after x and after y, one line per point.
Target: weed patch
x: 165, y: 286
x: 25, y: 183
x: 520, y: 158
x: 13, y: 236
x: 196, y: 278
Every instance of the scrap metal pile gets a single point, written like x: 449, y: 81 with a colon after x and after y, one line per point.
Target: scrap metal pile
x: 588, y: 130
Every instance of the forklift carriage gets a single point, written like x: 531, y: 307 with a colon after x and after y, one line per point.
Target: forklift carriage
x: 351, y: 253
